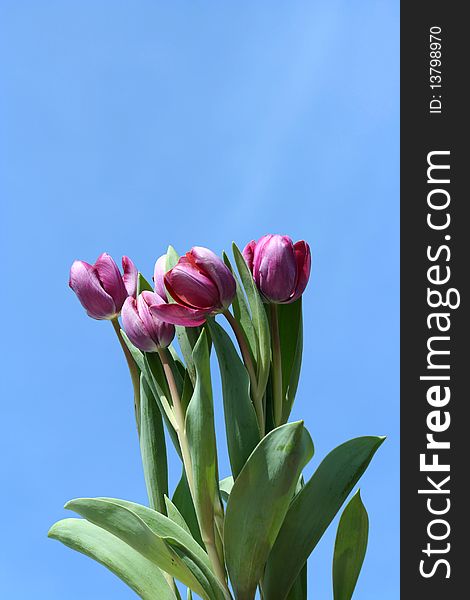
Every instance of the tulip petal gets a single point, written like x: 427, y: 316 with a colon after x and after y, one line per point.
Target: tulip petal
x: 111, y: 279
x: 151, y: 323
x: 303, y: 259
x: 208, y: 262
x: 143, y: 302
x: 179, y: 315
x: 130, y: 276
x: 248, y: 254
x: 135, y: 328
x: 191, y: 287
x: 158, y: 277
x: 161, y: 332
x: 275, y: 268
x: 85, y: 283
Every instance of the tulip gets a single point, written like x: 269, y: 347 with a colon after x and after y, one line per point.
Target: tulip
x: 158, y: 277
x: 200, y: 285
x: 146, y: 331
x: 101, y: 288
x: 280, y: 268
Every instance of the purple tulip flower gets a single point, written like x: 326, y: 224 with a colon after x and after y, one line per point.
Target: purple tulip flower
x: 101, y: 288
x: 280, y: 268
x: 158, y: 277
x: 200, y: 284
x: 146, y: 331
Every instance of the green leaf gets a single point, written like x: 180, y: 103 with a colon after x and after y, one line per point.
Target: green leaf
x: 172, y: 258
x: 225, y: 487
x: 178, y: 538
x: 259, y: 501
x: 269, y: 405
x: 313, y: 509
x: 153, y: 448
x: 187, y: 393
x: 299, y: 590
x: 179, y: 363
x: 126, y: 525
x: 175, y: 515
x: 260, y: 320
x: 143, y: 285
x: 241, y: 312
x: 200, y: 431
x: 350, y: 548
x: 151, y: 367
x: 241, y: 424
x: 187, y: 338
x: 139, y: 573
x: 291, y: 338
x: 155, y: 376
x: 184, y: 503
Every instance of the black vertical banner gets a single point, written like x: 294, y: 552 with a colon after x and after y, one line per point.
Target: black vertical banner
x: 435, y: 268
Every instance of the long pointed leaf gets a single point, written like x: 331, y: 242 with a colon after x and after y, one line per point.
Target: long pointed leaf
x: 178, y: 538
x: 175, y: 515
x: 188, y: 391
x: 299, y: 590
x: 313, y: 509
x: 201, y: 436
x: 225, y: 487
x: 139, y: 573
x: 259, y: 501
x: 260, y: 320
x: 153, y: 448
x: 241, y: 424
x: 241, y: 312
x: 131, y: 529
x: 155, y: 377
x: 146, y: 364
x: 291, y: 338
x: 350, y: 548
x: 143, y: 285
x: 184, y: 503
x: 163, y: 527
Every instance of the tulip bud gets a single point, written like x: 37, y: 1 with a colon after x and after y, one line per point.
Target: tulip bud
x: 101, y: 288
x: 146, y: 331
x: 200, y: 284
x: 280, y: 268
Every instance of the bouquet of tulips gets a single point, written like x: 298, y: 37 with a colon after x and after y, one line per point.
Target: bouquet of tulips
x: 222, y: 535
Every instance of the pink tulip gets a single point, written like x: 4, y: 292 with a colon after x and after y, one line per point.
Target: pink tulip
x: 101, y: 288
x: 146, y: 331
x: 200, y: 284
x: 280, y: 268
x: 158, y: 277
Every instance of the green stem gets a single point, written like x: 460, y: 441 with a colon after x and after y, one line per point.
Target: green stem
x: 277, y: 366
x: 208, y: 536
x: 244, y: 349
x: 133, y: 370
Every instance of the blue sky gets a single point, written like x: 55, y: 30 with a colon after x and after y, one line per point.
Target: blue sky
x: 127, y: 126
